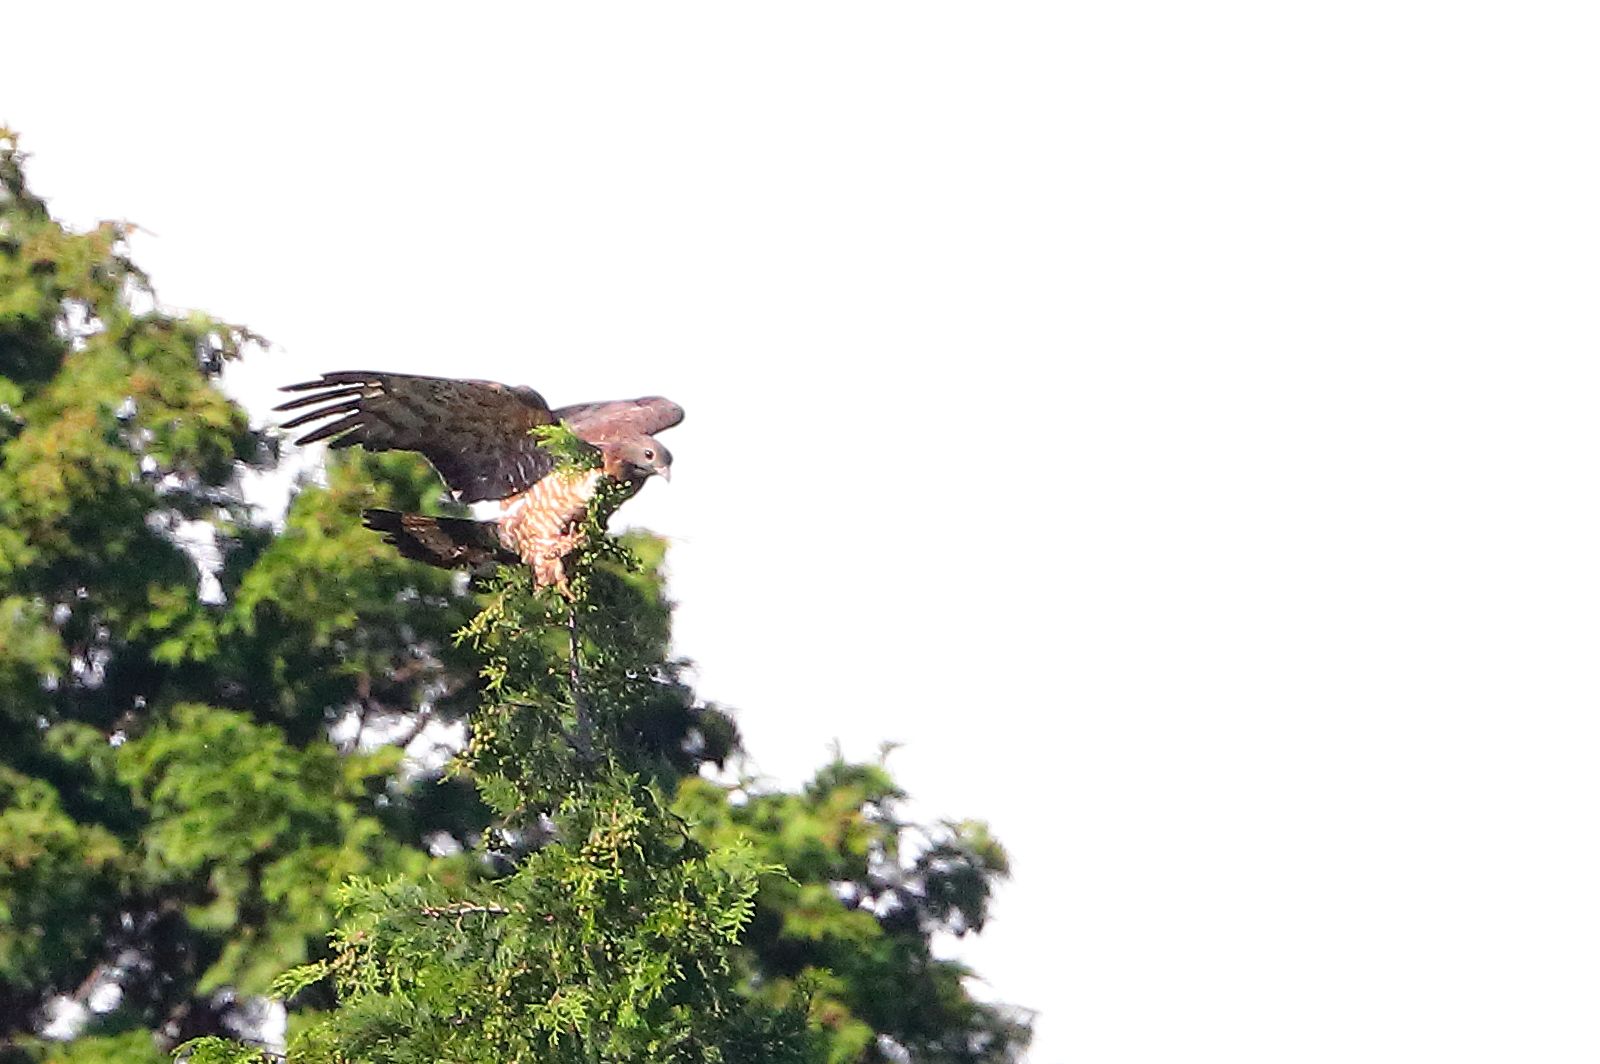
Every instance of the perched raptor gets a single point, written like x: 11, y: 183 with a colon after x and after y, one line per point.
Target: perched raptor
x: 479, y: 436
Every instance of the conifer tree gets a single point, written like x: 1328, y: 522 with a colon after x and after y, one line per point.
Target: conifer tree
x: 612, y: 938
x: 173, y: 816
x: 177, y: 826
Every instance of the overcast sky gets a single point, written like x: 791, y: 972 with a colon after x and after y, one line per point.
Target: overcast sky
x: 1174, y: 423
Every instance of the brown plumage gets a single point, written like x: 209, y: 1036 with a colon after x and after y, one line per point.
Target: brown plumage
x: 478, y: 435
x: 448, y: 542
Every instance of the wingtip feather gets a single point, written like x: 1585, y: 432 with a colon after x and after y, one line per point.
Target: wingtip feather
x: 319, y: 397
x: 337, y: 377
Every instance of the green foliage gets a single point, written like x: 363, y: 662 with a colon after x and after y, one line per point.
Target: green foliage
x: 174, y: 818
x: 612, y: 938
x: 52, y: 871
x: 30, y: 650
x: 128, y: 1047
x: 214, y: 1050
x: 527, y: 747
x: 610, y: 944
x: 167, y: 791
x: 854, y: 918
x: 326, y: 614
x: 269, y: 828
x: 564, y: 444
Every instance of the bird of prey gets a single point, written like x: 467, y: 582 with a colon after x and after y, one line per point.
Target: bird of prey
x: 479, y: 436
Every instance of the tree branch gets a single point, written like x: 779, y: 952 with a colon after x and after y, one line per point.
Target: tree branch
x: 583, y: 742
x: 463, y: 908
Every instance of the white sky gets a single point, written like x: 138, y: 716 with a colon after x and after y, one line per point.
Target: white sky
x: 1175, y: 423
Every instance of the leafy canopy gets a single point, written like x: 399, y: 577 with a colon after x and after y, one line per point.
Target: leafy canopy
x: 202, y: 775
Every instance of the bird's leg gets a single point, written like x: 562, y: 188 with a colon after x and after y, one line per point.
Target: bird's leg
x: 566, y: 543
x: 549, y: 567
x: 548, y: 571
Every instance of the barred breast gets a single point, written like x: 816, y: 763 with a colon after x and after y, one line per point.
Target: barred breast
x: 540, y: 523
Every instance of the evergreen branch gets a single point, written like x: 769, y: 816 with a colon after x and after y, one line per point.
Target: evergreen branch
x: 467, y: 908
x: 570, y: 451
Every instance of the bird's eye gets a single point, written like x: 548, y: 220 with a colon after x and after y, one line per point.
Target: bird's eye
x: 649, y: 455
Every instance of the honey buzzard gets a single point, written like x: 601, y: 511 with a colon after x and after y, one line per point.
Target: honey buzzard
x: 479, y: 436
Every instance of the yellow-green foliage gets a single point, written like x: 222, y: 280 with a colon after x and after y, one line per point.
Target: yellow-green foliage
x: 611, y: 940
x: 129, y: 1047
x: 52, y: 868
x: 167, y: 791
x: 853, y: 918
x: 569, y: 451
x: 269, y: 827
x: 174, y: 817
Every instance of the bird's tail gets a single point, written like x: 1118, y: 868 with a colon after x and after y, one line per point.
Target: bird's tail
x: 448, y: 542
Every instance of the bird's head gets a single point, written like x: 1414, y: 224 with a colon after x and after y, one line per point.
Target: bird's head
x: 644, y: 455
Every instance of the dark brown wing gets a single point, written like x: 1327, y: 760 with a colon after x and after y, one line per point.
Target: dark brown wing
x: 474, y: 432
x: 599, y: 422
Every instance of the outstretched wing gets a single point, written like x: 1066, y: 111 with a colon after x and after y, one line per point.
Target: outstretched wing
x: 602, y: 422
x: 476, y: 433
